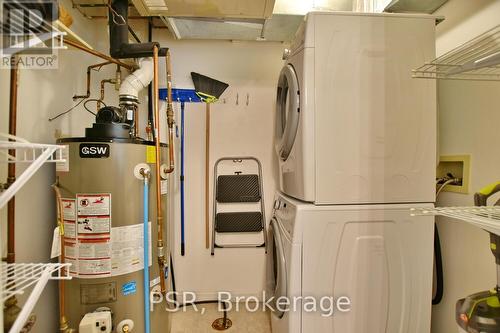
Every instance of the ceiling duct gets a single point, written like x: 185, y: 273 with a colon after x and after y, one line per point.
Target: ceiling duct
x: 246, y: 9
x: 414, y: 6
x: 278, y: 28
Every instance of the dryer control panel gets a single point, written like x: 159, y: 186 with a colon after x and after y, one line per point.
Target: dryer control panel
x: 284, y: 213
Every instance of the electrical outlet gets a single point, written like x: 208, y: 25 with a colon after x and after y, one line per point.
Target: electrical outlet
x: 459, y: 167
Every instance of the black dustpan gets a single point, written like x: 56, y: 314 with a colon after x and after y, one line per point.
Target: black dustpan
x: 207, y: 88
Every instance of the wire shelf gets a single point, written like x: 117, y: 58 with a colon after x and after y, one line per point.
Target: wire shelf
x: 478, y: 59
x: 27, y: 152
x: 16, y: 278
x: 34, y: 154
x: 484, y: 217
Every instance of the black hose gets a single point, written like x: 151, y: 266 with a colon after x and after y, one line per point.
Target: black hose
x: 438, y: 262
x: 173, y: 278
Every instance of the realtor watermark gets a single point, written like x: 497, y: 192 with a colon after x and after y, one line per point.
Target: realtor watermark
x: 327, y: 306
x: 29, y: 38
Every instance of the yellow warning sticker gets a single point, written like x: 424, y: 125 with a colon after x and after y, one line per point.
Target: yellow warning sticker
x: 150, y: 154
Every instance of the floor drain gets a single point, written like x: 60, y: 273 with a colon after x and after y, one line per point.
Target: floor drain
x: 220, y: 324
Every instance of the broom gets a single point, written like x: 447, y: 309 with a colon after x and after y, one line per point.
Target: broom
x: 209, y: 91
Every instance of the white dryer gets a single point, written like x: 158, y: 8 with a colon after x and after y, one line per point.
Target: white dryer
x: 352, y: 126
x: 376, y: 255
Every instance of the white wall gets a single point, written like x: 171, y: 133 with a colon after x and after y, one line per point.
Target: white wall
x: 249, y: 68
x: 237, y: 130
x: 468, y: 114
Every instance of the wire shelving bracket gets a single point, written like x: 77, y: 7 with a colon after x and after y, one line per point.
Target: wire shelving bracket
x: 478, y: 59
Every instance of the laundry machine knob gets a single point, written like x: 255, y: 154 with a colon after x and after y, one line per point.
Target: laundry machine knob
x: 277, y: 204
x: 286, y: 54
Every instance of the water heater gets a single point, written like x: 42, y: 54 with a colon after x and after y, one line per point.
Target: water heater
x: 103, y: 228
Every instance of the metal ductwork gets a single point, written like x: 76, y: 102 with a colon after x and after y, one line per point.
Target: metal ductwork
x: 119, y: 46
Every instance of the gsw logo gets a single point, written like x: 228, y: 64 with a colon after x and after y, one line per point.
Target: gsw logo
x: 94, y: 150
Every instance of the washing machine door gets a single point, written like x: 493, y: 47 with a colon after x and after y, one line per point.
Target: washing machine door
x: 287, y: 111
x: 278, y: 267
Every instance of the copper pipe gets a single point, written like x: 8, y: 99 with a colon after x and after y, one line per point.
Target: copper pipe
x: 99, y: 54
x: 170, y: 114
x: 136, y: 121
x: 103, y: 82
x: 11, y: 173
x: 170, y: 151
x: 63, y: 322
x: 159, y: 210
x: 11, y: 310
x: 118, y: 77
x: 89, y: 69
x: 106, y: 17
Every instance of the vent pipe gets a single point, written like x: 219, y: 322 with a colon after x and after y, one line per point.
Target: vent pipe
x: 119, y: 46
x: 139, y: 79
x: 129, y: 92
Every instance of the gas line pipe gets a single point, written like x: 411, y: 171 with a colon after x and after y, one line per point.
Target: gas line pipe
x: 11, y: 175
x: 89, y: 71
x: 170, y: 123
x: 170, y: 113
x: 99, y: 54
x: 159, y: 211
x: 11, y: 310
x: 63, y: 322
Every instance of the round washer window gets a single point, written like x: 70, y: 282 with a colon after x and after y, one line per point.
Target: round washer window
x: 287, y: 111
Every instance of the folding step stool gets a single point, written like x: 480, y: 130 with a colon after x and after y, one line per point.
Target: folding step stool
x: 242, y: 188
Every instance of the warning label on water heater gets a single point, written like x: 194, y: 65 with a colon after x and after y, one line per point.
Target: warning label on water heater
x: 88, y: 235
x: 91, y: 225
x: 93, y: 247
x: 69, y: 217
x: 94, y: 204
x: 69, y: 209
x: 128, y: 249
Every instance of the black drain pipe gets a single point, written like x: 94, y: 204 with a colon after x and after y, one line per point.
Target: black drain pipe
x: 119, y: 47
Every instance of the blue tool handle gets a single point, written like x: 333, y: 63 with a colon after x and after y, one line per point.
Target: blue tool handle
x: 183, y: 250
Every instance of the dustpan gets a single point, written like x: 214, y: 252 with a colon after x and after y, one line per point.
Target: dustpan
x: 208, y: 89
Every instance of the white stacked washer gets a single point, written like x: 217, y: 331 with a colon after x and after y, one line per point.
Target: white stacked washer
x: 356, y: 140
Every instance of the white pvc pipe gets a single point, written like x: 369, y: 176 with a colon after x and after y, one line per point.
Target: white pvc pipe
x: 139, y: 79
